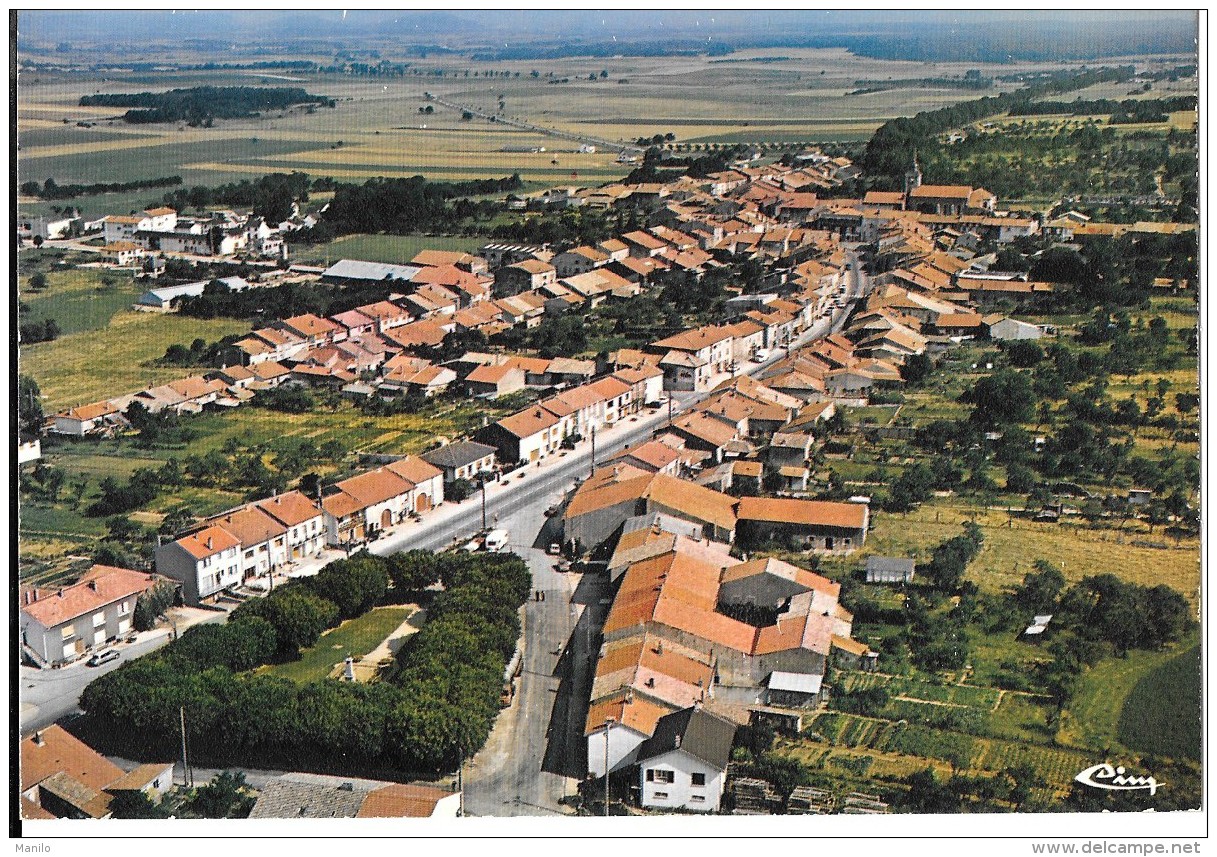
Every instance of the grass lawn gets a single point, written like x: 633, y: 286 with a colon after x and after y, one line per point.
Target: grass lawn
x: 94, y: 365
x: 1163, y: 713
x: 1093, y: 718
x: 393, y: 249
x: 80, y: 300
x: 353, y: 637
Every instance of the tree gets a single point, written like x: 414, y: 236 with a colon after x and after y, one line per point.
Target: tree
x: 1023, y: 353
x: 37, y: 282
x: 1185, y: 403
x: 1020, y: 479
x: 226, y: 796
x: 1004, y: 397
x: 917, y: 369
x: 927, y: 795
x: 298, y: 616
x: 130, y: 803
x: 414, y: 570
x: 913, y: 486
x: 151, y: 604
x: 1041, y: 588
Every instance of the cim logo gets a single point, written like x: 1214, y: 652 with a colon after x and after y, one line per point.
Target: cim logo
x: 1104, y: 776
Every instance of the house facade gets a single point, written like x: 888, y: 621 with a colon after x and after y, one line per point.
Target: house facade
x: 205, y: 562
x: 60, y: 626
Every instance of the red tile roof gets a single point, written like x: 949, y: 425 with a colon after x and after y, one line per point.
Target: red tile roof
x: 102, y: 585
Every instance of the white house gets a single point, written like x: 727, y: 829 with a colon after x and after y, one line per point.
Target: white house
x: 85, y: 419
x: 62, y: 625
x: 205, y: 562
x: 263, y: 540
x: 303, y: 521
x: 684, y: 764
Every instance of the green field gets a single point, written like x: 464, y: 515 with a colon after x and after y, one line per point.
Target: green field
x: 355, y: 637
x: 1164, y: 714
x: 1094, y: 714
x: 163, y: 156
x: 82, y: 299
x: 393, y: 249
x: 94, y: 365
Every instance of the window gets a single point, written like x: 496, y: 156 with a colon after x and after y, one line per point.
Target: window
x: 664, y: 776
x: 661, y: 796
x: 699, y: 779
x: 124, y: 608
x: 68, y: 633
x: 697, y: 798
x: 99, y: 619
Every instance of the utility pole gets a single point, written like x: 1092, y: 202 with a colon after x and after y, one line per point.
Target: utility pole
x: 187, y: 779
x: 608, y: 724
x: 593, y: 473
x: 460, y: 786
x: 483, y: 503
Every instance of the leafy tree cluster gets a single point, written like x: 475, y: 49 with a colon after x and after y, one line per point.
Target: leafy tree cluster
x: 290, y: 399
x: 270, y: 196
x: 50, y: 189
x: 890, y: 150
x: 950, y: 559
x: 1130, y: 110
x: 200, y: 352
x: 39, y: 331
x: 962, y: 793
x: 152, y: 604
x: 201, y: 104
x: 401, y: 206
x: 116, y: 498
x: 438, y: 707
x: 580, y: 226
x: 1103, y: 608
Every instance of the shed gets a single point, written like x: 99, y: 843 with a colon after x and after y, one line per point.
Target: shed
x: 889, y: 569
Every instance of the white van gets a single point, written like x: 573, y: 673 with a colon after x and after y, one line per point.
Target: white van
x: 496, y: 540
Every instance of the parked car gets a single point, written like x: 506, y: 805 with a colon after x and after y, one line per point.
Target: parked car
x: 554, y: 549
x: 760, y: 355
x: 104, y: 657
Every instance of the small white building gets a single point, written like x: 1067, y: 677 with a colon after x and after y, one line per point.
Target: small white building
x: 684, y: 764
x: 888, y: 569
x: 1003, y: 329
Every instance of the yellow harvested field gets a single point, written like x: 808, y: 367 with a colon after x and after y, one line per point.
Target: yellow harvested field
x: 95, y: 365
x: 1077, y: 549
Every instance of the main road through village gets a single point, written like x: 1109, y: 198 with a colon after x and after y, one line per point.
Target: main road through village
x: 536, y: 752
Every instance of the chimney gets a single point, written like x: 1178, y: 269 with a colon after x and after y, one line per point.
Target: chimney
x: 93, y: 585
x: 651, y: 681
x: 629, y: 695
x: 59, y: 593
x: 659, y: 648
x: 38, y: 740
x: 677, y: 742
x: 209, y: 543
x: 349, y: 671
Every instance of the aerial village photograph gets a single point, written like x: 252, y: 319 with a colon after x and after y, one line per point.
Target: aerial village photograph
x: 608, y: 423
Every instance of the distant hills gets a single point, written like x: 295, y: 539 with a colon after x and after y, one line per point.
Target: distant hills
x: 503, y: 34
